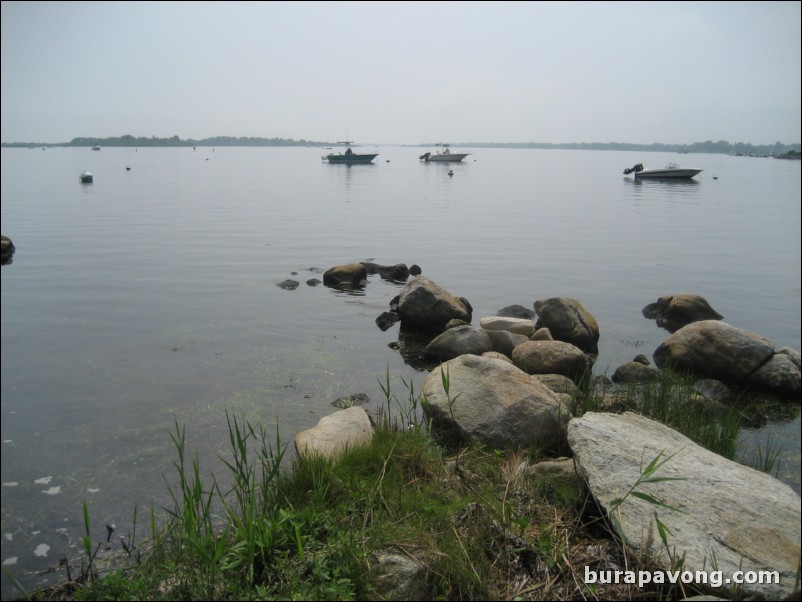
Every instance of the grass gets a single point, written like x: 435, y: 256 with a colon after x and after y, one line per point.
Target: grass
x: 476, y: 523
x: 671, y: 401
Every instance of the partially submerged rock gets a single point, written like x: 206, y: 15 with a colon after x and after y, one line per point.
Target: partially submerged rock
x: 350, y: 275
x: 714, y: 349
x: 6, y: 250
x: 424, y: 305
x: 672, y: 312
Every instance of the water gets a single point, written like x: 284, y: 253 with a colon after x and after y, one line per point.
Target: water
x: 150, y: 297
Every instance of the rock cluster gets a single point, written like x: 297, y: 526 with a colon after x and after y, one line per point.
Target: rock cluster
x: 509, y: 384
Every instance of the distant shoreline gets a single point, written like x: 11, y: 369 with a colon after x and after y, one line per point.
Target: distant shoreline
x: 720, y: 147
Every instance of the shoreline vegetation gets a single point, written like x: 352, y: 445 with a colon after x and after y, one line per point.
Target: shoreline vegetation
x: 778, y: 149
x: 416, y: 513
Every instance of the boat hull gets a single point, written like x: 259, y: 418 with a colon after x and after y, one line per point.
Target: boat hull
x: 667, y: 174
x: 352, y: 159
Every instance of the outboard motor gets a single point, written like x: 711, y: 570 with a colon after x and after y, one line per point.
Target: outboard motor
x: 425, y: 156
x: 634, y: 169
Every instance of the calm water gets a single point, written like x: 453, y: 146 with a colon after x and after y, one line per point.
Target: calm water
x: 151, y: 296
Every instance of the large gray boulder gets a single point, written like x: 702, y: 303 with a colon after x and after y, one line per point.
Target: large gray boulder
x: 423, y: 305
x: 551, y: 357
x: 714, y: 349
x: 493, y: 403
x: 717, y: 512
x: 568, y: 320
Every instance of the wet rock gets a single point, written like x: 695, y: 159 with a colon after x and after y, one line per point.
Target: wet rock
x: 672, y: 312
x: 289, y: 285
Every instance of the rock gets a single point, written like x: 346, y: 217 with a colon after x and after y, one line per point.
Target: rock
x: 635, y: 372
x: 497, y: 356
x: 397, y: 273
x: 424, y: 305
x: 350, y: 275
x: 349, y: 401
x: 541, y: 334
x: 714, y: 349
x: 559, y: 384
x: 716, y: 510
x: 504, y: 341
x: 717, y: 350
x: 795, y: 356
x: 6, y: 250
x: 514, y: 325
x: 568, y: 321
x: 458, y: 341
x: 494, y: 403
x: 780, y: 375
x: 551, y: 357
x: 387, y: 319
x: 400, y: 574
x: 335, y: 433
x: 516, y: 311
x: 672, y: 312
x: 288, y: 285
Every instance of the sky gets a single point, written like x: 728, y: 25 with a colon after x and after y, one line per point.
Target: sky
x: 403, y: 72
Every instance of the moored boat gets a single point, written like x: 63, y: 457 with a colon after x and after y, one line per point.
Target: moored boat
x: 672, y: 171
x: 87, y: 177
x: 443, y: 156
x: 349, y: 157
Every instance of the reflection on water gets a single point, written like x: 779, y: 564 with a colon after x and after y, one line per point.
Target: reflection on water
x: 663, y: 181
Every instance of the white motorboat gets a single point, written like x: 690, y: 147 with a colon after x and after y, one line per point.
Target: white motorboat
x: 672, y: 171
x: 443, y: 156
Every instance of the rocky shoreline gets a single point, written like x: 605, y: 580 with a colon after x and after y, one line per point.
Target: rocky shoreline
x: 510, y: 383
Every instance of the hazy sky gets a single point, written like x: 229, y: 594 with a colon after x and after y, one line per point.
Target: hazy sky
x: 403, y: 72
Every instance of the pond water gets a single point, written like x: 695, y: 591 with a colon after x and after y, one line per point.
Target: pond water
x: 150, y: 298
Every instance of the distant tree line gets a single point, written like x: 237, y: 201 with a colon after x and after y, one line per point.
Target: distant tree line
x: 176, y: 141
x: 708, y: 146
x: 721, y: 147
